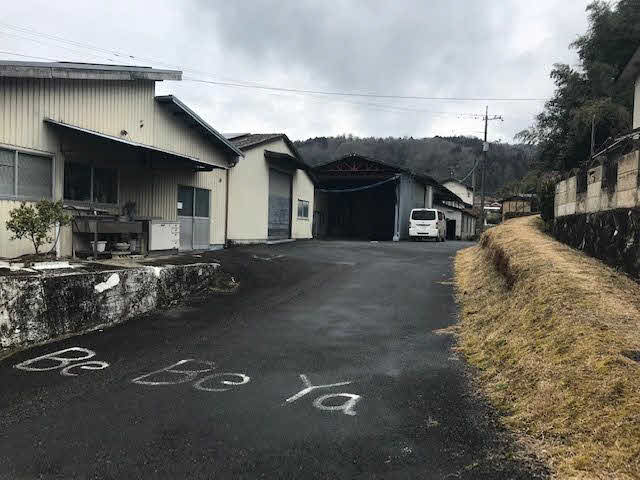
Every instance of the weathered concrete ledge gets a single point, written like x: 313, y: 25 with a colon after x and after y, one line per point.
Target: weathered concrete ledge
x: 36, y: 308
x: 612, y: 236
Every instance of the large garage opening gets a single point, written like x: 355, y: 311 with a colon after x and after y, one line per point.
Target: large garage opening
x: 356, y: 199
x: 364, y: 214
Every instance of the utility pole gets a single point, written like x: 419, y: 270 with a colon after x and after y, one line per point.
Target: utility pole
x: 485, y: 149
x: 593, y: 135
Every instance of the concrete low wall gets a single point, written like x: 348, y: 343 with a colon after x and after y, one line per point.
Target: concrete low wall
x: 34, y: 309
x: 624, y: 194
x: 612, y: 236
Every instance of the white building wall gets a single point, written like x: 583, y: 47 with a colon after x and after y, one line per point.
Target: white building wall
x: 249, y: 196
x: 453, y: 214
x: 462, y: 191
x: 303, y: 189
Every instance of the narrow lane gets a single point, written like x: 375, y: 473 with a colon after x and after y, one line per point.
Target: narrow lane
x: 359, y: 315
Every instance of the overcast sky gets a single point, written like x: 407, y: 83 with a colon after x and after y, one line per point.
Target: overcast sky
x: 432, y: 48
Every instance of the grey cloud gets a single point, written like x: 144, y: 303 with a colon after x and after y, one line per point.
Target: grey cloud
x: 496, y: 48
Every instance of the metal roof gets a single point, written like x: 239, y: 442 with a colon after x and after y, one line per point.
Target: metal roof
x: 84, y: 71
x: 131, y: 143
x: 426, y: 179
x: 208, y: 129
x: 247, y: 141
x: 231, y: 136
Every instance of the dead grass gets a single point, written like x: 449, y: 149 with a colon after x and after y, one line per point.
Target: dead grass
x: 548, y: 328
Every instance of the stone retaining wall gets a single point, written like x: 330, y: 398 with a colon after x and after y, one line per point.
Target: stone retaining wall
x: 612, y: 236
x: 34, y: 309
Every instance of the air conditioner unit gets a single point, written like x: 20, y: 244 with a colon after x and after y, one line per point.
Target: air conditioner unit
x: 164, y: 235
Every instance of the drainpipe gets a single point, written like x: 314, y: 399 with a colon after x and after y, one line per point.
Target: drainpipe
x: 226, y: 216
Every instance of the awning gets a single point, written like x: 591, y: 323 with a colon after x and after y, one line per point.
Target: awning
x: 202, y: 166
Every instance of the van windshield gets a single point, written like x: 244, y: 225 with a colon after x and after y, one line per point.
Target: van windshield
x: 423, y: 215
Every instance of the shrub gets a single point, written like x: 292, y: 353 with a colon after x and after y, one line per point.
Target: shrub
x: 546, y: 192
x: 36, y: 222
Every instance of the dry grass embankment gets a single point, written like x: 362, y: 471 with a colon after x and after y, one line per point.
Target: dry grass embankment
x: 553, y: 333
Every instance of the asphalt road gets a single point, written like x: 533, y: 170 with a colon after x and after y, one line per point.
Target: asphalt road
x: 335, y: 312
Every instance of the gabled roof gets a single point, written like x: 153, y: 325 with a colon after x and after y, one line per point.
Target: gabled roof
x: 465, y: 184
x: 247, y: 141
x: 84, y: 71
x: 177, y: 106
x: 426, y: 179
x: 631, y: 69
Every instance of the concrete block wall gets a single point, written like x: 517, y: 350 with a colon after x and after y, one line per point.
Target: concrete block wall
x: 627, y: 188
x: 596, y: 199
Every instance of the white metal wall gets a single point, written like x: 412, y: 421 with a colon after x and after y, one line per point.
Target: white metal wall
x: 249, y: 196
x: 109, y: 107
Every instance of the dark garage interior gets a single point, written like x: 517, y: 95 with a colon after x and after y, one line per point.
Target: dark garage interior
x: 356, y: 198
x: 367, y: 214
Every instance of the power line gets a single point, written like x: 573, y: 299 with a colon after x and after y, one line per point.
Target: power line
x: 28, y: 56
x: 367, y: 95
x: 257, y: 85
x: 14, y: 35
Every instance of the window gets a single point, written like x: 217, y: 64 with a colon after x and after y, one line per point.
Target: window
x: 440, y: 216
x: 303, y: 209
x: 105, y: 185
x: 85, y: 183
x: 423, y: 215
x: 202, y: 202
x: 27, y: 176
x: 193, y: 202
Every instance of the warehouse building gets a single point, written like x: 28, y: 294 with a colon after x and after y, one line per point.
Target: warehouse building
x: 362, y: 198
x: 270, y: 191
x: 98, y: 138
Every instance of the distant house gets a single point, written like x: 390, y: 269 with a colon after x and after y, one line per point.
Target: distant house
x: 456, y: 200
x: 97, y: 137
x: 270, y: 191
x: 461, y: 189
x: 519, y: 205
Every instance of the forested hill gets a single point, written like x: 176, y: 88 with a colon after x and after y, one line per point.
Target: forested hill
x: 435, y: 156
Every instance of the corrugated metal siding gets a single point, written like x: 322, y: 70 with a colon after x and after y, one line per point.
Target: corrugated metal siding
x: 107, y: 107
x: 156, y: 194
x: 418, y: 195
x: 104, y: 106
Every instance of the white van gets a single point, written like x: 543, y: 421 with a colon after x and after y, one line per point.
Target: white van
x: 427, y: 223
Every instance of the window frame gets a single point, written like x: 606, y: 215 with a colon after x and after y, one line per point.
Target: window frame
x: 302, y: 203
x: 16, y: 167
x: 193, y: 194
x: 92, y: 166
